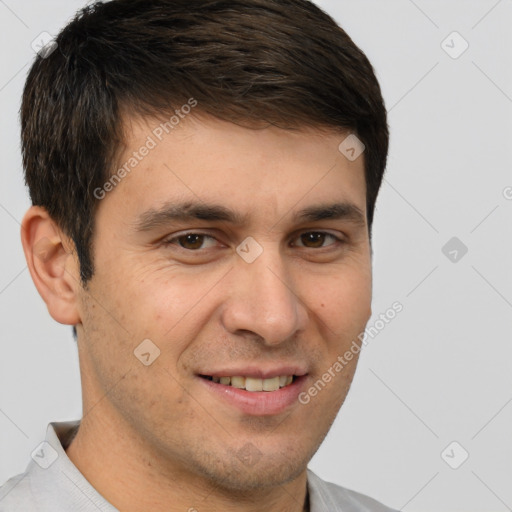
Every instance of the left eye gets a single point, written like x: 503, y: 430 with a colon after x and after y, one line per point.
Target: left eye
x: 194, y: 241
x: 317, y: 238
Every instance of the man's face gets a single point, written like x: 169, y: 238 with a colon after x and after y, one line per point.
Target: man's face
x: 285, y: 302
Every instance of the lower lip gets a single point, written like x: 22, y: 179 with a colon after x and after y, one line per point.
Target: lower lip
x: 258, y: 403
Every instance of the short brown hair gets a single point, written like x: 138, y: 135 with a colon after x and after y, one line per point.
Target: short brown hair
x: 283, y: 62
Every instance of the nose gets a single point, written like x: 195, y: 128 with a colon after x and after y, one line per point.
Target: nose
x: 263, y: 300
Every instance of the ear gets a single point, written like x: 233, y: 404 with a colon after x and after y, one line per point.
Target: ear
x: 53, y: 265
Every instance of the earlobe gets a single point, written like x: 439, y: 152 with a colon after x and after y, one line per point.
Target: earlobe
x: 52, y: 264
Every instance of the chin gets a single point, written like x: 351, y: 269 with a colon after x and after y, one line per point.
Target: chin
x: 248, y: 469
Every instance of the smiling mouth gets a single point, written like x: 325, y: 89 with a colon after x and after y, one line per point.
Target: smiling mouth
x: 253, y: 384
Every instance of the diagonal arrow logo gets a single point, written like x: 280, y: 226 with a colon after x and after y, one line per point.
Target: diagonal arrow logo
x: 146, y: 352
x: 249, y: 249
x: 455, y: 455
x: 454, y: 249
x: 44, y: 455
x: 454, y: 45
x: 351, y: 146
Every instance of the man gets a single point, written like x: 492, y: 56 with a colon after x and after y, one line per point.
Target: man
x: 203, y: 177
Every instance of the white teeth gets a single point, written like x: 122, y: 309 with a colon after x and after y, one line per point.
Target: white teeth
x: 238, y: 382
x: 271, y: 384
x: 255, y: 384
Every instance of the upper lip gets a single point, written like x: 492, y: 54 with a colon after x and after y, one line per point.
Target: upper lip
x: 257, y: 372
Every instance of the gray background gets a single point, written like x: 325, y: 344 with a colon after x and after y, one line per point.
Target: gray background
x: 440, y: 371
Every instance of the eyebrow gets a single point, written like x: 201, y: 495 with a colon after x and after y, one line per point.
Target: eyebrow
x: 186, y: 211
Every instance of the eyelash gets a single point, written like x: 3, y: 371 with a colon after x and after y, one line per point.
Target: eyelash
x: 170, y: 241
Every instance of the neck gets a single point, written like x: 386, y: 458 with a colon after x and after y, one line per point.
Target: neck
x: 132, y: 476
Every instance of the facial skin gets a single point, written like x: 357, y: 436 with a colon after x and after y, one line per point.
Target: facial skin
x: 156, y: 437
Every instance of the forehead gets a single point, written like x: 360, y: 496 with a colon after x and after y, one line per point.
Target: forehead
x: 203, y: 159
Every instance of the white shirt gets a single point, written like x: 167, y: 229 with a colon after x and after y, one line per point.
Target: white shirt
x: 52, y: 483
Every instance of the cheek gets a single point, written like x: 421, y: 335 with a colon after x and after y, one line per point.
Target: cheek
x: 343, y: 302
x: 130, y: 384
x: 169, y: 306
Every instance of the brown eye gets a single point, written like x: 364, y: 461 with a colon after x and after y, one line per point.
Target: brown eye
x: 191, y: 241
x: 315, y: 239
